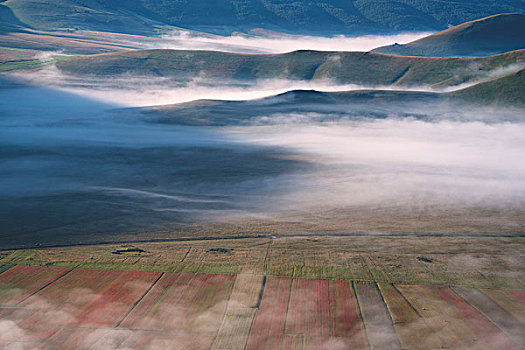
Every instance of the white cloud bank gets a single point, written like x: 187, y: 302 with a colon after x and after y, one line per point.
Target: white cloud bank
x: 280, y: 43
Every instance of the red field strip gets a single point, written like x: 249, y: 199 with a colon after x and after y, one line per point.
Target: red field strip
x: 486, y: 330
x: 268, y: 323
x: 113, y: 304
x: 309, y: 311
x: 183, y: 302
x: 348, y: 326
x: 19, y: 282
x: 323, y: 315
x: 143, y: 315
x: 519, y: 295
x: 61, y: 302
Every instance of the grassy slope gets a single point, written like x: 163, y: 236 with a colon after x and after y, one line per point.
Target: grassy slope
x: 8, y: 21
x: 484, y: 37
x: 509, y: 90
x: 225, y: 16
x: 342, y: 67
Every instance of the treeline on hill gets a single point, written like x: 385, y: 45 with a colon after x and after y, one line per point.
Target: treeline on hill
x: 320, y: 17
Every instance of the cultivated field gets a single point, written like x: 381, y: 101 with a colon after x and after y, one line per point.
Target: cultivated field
x: 264, y: 294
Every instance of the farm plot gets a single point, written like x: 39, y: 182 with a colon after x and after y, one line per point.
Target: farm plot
x: 84, y: 297
x: 116, y: 338
x: 237, y: 322
x: 506, y: 301
x: 412, y: 331
x: 348, y: 327
x: 505, y: 321
x: 185, y: 302
x: 323, y: 315
x: 19, y: 282
x: 268, y: 323
x: 307, y: 314
x: 445, y: 323
x: 378, y: 324
x: 489, y: 334
x: 518, y: 295
x: 99, y: 309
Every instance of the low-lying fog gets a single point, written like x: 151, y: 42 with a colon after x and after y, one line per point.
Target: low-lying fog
x: 131, y: 91
x: 272, y: 42
x: 75, y: 169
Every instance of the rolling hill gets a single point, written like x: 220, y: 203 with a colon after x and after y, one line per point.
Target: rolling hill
x: 8, y: 21
x: 317, y: 17
x: 372, y: 69
x: 327, y: 107
x: 508, y: 91
x: 485, y: 37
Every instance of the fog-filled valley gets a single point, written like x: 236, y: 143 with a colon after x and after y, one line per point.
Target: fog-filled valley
x: 78, y: 167
x: 262, y: 174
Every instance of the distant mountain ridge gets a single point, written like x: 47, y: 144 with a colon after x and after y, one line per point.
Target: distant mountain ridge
x: 484, y: 37
x: 317, y: 17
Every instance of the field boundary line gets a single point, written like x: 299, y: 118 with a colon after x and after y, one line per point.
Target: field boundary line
x: 44, y: 287
x: 186, y: 254
x: 407, y: 301
x: 261, y: 292
x: 256, y: 308
x: 140, y: 299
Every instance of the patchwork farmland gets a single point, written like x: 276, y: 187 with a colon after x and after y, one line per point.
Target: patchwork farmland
x: 51, y: 308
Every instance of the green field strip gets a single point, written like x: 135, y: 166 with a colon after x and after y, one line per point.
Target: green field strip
x: 240, y: 312
x: 284, y: 270
x: 235, y: 329
x: 25, y: 257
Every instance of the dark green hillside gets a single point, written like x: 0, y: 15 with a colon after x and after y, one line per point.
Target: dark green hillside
x: 8, y: 21
x: 507, y: 91
x: 485, y: 37
x: 318, y: 17
x: 341, y: 67
x: 331, y: 106
x: 313, y: 106
x: 115, y: 15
